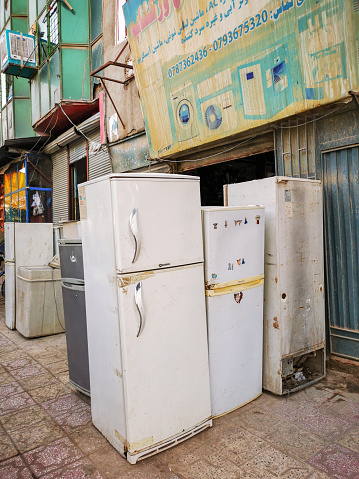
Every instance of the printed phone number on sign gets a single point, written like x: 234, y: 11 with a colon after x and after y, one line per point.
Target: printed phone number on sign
x: 248, y: 26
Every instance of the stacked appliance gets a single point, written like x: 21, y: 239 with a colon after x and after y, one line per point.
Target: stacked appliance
x: 234, y: 274
x: 73, y: 294
x: 294, y: 311
x: 26, y: 244
x: 145, y: 306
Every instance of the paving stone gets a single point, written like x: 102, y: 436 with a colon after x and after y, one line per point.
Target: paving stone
x: 337, y: 461
x: 6, y: 378
x: 295, y: 441
x: 28, y: 417
x: 53, y: 391
x: 55, y: 455
x: 342, y: 408
x: 258, y: 421
x: 9, y: 352
x: 63, y: 377
x: 240, y: 446
x: 89, y: 440
x: 350, y: 439
x: 10, y: 389
x: 15, y: 468
x: 74, y: 421
x: 7, y: 448
x: 82, y: 469
x: 39, y: 434
x: 15, y: 403
x: 66, y: 404
x: 21, y: 362
x: 27, y: 372
x: 180, y: 457
x: 204, y: 470
x: 110, y: 463
x: 58, y: 367
x: 38, y: 381
x: 4, y: 341
x: 275, y: 462
x: 141, y: 471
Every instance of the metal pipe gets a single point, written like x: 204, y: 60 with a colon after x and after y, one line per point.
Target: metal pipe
x: 113, y: 103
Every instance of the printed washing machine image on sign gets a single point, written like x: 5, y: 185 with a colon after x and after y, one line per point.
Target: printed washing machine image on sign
x: 186, y: 122
x: 217, y: 104
x: 219, y: 114
x: 265, y: 84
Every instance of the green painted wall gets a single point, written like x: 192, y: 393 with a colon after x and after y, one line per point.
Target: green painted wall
x: 44, y: 90
x: 21, y: 87
x: 19, y: 7
x: 22, y: 118
x: 96, y: 19
x: 75, y: 73
x: 20, y: 24
x: 74, y: 27
x: 55, y: 84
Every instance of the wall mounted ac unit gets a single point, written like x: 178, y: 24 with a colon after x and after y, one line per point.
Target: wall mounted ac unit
x: 17, y: 53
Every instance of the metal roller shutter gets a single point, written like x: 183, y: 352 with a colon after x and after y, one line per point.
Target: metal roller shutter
x: 78, y: 149
x: 60, y: 187
x: 100, y: 162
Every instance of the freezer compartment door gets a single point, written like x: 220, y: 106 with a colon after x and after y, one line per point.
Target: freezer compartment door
x: 9, y: 237
x: 234, y: 243
x: 76, y: 335
x: 33, y: 244
x: 10, y: 299
x: 157, y: 223
x: 164, y: 354
x: 235, y: 337
x: 71, y: 261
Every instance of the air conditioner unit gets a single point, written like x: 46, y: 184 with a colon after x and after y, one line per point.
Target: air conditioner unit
x: 17, y: 53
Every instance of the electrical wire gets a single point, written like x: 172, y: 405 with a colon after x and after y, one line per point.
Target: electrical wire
x: 57, y: 311
x: 103, y: 147
x: 214, y: 154
x: 41, y: 135
x: 343, y: 104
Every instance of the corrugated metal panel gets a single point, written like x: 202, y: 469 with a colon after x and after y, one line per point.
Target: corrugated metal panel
x: 78, y: 149
x: 60, y: 186
x: 341, y: 201
x: 99, y: 163
x: 295, y: 148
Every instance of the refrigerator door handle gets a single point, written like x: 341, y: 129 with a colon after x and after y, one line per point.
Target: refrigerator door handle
x: 139, y: 304
x: 134, y: 231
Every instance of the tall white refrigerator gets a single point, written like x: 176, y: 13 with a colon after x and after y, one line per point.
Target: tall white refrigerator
x: 145, y: 306
x: 294, y: 310
x: 26, y: 244
x: 234, y: 274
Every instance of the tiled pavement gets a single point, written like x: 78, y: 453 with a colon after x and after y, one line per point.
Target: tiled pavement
x: 46, y: 430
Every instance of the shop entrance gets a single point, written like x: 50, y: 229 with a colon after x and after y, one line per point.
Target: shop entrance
x: 213, y: 177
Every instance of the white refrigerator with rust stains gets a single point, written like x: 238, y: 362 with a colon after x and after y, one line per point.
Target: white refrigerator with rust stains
x: 145, y: 306
x: 294, y: 308
x: 234, y: 275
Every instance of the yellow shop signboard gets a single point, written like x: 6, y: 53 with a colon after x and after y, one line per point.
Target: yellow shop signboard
x: 207, y: 69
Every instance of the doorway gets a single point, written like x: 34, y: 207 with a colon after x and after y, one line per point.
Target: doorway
x: 78, y: 175
x: 213, y: 177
